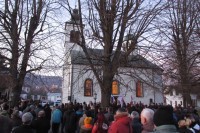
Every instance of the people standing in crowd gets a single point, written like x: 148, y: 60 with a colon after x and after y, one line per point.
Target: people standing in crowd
x: 26, y: 124
x: 5, y: 124
x: 16, y: 120
x: 163, y: 120
x: 101, y: 125
x: 87, y: 127
x: 136, y: 124
x: 69, y: 120
x: 81, y: 120
x: 122, y: 122
x: 184, y: 125
x: 5, y: 109
x: 109, y: 115
x: 41, y: 124
x: 47, y: 111
x: 56, y: 119
x: 147, y: 120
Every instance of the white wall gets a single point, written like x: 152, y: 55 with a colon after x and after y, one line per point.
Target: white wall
x: 127, y: 92
x: 173, y: 99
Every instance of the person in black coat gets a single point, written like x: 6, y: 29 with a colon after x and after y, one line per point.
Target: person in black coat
x: 26, y: 126
x: 47, y: 111
x: 6, y: 124
x: 136, y: 124
x: 41, y: 124
x: 70, y: 121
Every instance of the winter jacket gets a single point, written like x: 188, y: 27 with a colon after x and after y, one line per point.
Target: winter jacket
x: 136, y: 125
x: 86, y: 128
x: 56, y: 116
x: 103, y: 128
x: 41, y: 125
x: 24, y: 129
x: 122, y: 124
x: 5, y: 124
x: 166, y: 129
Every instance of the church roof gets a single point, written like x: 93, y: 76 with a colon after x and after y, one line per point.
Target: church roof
x: 136, y: 61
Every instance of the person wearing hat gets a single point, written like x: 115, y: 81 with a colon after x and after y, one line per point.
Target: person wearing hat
x: 26, y: 126
x: 163, y: 120
x: 87, y: 127
x: 122, y: 123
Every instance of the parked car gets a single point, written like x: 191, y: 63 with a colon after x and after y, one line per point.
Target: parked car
x: 44, y: 103
x: 57, y: 102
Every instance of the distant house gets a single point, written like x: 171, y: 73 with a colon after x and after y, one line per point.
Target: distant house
x: 173, y: 96
x: 37, y: 86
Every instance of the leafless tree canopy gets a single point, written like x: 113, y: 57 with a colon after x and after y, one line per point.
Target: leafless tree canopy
x: 178, y: 25
x: 104, y: 24
x: 24, y: 32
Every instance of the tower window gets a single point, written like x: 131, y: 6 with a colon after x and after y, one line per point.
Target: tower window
x: 74, y: 36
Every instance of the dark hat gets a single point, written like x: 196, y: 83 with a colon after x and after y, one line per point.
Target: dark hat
x: 163, y: 116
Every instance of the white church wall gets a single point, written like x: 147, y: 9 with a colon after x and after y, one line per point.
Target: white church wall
x: 66, y: 89
x: 127, y: 86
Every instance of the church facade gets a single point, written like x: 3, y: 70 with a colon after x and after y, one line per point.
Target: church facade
x: 137, y: 81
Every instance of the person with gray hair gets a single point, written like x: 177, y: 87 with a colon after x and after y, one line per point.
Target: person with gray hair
x: 26, y: 126
x: 147, y: 120
x: 136, y: 124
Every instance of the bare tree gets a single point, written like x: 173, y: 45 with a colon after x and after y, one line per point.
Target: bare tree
x: 107, y: 22
x: 23, y: 25
x: 178, y: 25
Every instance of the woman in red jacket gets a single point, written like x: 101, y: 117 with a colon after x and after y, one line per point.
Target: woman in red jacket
x: 100, y: 125
x: 122, y: 123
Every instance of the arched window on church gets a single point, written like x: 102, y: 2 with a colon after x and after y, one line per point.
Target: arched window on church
x: 139, y: 89
x: 74, y: 36
x: 115, y: 87
x: 88, y: 87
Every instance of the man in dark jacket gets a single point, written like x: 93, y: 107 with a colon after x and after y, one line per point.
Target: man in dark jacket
x: 136, y: 124
x: 163, y: 120
x: 41, y: 124
x: 26, y: 126
x: 69, y: 120
x: 6, y: 124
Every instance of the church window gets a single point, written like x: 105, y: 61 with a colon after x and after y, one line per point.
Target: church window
x: 74, y: 36
x: 115, y: 87
x: 139, y: 89
x: 88, y: 88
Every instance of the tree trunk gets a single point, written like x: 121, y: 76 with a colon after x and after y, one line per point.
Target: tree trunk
x: 16, y: 91
x: 105, y: 99
x: 187, y: 100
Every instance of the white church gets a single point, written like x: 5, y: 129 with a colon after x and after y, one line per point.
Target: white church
x: 138, y: 81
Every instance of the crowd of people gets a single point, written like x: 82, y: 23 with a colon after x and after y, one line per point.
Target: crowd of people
x: 31, y: 117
